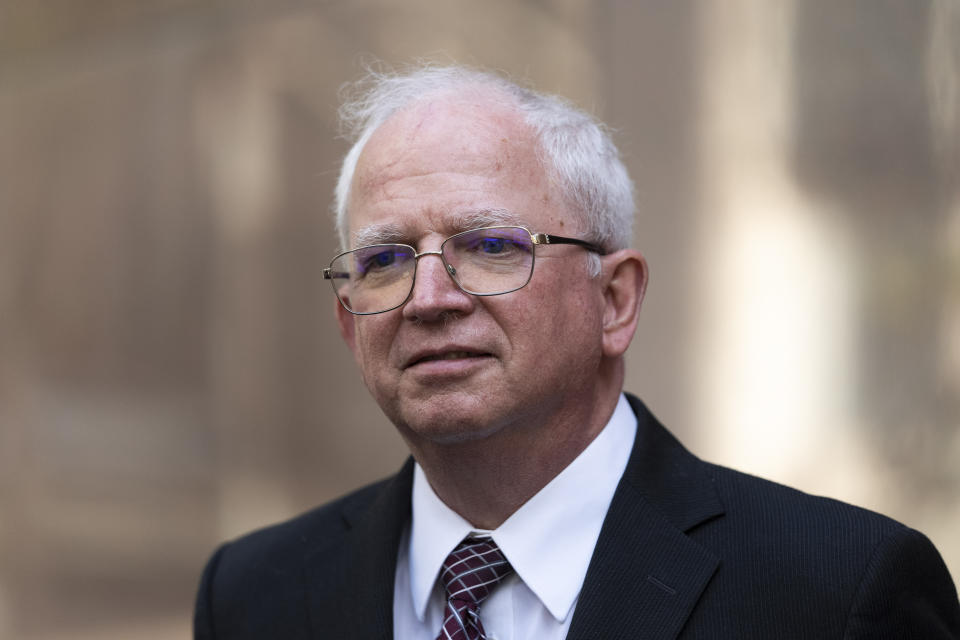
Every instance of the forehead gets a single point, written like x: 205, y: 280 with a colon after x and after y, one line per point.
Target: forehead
x: 450, y: 161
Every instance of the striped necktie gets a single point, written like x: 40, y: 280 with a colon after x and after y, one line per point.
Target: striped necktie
x: 469, y: 574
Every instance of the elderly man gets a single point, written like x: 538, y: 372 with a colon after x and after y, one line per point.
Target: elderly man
x: 488, y: 295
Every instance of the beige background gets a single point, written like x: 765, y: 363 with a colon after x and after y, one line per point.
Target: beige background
x: 170, y: 373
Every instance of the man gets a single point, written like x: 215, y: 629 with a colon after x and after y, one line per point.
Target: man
x: 488, y: 296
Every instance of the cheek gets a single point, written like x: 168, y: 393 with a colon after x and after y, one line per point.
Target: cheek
x: 372, y: 351
x: 570, y: 321
x: 553, y: 322
x: 564, y: 294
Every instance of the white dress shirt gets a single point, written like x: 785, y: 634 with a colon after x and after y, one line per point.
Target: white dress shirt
x: 549, y: 541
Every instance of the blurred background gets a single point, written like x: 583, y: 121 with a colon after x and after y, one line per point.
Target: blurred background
x: 170, y: 371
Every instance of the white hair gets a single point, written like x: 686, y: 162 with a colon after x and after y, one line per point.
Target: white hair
x: 575, y: 149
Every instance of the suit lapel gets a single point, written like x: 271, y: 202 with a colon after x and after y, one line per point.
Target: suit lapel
x: 350, y: 583
x: 646, y: 574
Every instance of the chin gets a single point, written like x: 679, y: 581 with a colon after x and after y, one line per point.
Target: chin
x: 445, y: 424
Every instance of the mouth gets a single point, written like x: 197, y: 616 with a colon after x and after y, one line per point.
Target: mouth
x: 446, y: 355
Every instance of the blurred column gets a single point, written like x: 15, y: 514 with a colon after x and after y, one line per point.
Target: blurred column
x: 103, y: 491
x: 236, y: 129
x: 878, y: 141
x: 943, y: 81
x: 775, y: 340
x: 832, y: 187
x: 649, y: 71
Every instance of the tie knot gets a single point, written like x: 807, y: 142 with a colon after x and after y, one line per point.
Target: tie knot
x: 472, y: 570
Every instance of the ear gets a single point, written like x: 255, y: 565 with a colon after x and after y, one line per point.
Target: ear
x: 346, y: 322
x: 624, y: 285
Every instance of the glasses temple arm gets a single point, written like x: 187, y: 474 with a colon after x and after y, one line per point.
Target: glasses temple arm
x: 544, y: 238
x: 330, y: 275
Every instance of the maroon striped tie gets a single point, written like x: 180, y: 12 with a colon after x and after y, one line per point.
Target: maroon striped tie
x: 469, y: 573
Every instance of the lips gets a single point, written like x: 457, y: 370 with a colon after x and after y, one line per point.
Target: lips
x: 444, y: 354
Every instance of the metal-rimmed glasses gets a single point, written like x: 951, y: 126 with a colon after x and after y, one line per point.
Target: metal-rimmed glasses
x: 488, y: 261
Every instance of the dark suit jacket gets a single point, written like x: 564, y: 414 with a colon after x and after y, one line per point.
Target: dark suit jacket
x: 688, y: 550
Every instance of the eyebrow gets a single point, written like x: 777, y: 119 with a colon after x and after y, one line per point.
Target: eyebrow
x: 384, y: 233
x: 486, y: 218
x: 391, y: 233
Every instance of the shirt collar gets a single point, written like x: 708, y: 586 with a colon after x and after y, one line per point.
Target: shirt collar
x: 549, y: 540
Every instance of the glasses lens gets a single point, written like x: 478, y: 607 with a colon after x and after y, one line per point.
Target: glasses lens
x: 373, y: 279
x: 491, y: 260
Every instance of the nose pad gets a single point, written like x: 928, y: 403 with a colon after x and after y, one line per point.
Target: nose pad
x: 433, y: 294
x: 427, y: 270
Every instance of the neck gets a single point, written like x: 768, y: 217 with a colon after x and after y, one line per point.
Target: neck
x: 487, y: 480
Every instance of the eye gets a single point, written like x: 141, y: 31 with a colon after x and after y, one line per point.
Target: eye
x: 384, y: 258
x: 495, y: 245
x: 492, y: 245
x: 378, y: 261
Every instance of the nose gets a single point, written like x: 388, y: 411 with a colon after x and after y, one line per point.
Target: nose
x: 435, y: 295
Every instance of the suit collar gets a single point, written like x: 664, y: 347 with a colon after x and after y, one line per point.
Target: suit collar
x: 646, y: 574
x: 671, y: 478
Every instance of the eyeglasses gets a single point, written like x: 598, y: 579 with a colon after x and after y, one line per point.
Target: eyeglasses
x: 483, y: 262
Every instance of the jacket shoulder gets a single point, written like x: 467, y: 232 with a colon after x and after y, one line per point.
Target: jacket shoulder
x: 308, y: 531
x: 859, y: 572
x: 771, y: 504
x: 252, y: 587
